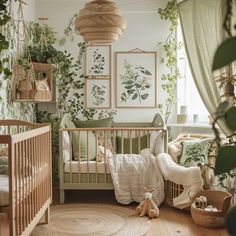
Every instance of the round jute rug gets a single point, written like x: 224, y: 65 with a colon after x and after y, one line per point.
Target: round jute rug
x: 93, y: 220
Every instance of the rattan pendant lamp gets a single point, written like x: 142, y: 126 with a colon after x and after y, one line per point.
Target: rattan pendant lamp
x: 100, y: 22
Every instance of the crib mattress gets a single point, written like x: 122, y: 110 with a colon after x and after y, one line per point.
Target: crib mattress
x: 85, y: 167
x: 4, y: 190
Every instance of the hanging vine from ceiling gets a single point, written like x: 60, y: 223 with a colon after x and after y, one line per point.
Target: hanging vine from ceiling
x: 170, y: 46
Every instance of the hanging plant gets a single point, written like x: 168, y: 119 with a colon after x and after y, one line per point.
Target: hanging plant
x: 70, y: 30
x: 170, y: 46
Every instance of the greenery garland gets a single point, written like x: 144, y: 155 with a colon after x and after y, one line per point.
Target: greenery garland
x: 4, y: 43
x: 170, y: 46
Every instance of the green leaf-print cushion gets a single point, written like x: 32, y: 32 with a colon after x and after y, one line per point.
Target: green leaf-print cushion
x: 195, y: 152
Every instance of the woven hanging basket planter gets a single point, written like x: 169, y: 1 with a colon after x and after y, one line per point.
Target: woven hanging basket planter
x: 100, y: 22
x: 229, y: 89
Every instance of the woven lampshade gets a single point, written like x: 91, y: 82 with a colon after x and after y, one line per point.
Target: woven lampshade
x: 100, y: 22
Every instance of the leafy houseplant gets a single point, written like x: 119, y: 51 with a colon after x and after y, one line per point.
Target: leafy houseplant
x: 226, y: 158
x: 170, y: 47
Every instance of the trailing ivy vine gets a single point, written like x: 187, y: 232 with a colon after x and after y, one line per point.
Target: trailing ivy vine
x: 4, y: 42
x: 170, y: 47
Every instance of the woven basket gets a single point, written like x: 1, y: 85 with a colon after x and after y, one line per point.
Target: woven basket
x: 220, y: 200
x: 173, y: 190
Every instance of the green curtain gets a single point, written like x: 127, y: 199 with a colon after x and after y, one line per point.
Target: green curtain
x: 202, y: 27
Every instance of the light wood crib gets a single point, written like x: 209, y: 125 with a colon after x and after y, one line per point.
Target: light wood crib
x: 27, y: 187
x: 95, y: 174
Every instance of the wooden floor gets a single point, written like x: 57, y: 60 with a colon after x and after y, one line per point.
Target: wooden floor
x: 170, y: 223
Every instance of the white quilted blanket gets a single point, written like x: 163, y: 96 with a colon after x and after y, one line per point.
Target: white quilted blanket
x: 131, y: 173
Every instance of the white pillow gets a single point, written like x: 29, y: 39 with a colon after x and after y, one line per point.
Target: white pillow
x: 108, y: 151
x: 66, y: 146
x: 157, y: 142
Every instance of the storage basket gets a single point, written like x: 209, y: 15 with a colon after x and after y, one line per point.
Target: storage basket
x: 220, y: 200
x: 173, y: 190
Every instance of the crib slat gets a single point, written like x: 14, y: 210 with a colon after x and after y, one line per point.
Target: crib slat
x: 79, y: 156
x: 20, y: 189
x: 16, y: 187
x: 105, y: 155
x: 122, y: 142
x: 114, y: 142
x: 139, y: 141
x: 96, y: 155
x: 130, y: 141
x: 88, y: 153
x: 34, y: 178
x: 31, y: 179
x: 71, y: 142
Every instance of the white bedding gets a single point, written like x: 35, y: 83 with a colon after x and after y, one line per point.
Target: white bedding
x: 84, y: 167
x: 131, y: 173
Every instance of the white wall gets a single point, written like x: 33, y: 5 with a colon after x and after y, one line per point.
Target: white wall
x: 28, y: 9
x: 144, y: 30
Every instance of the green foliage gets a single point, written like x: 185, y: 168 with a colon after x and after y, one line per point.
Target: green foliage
x: 230, y: 118
x: 99, y: 63
x: 225, y: 54
x: 4, y: 42
x: 69, y: 31
x: 44, y: 117
x: 226, y: 158
x: 40, y: 34
x: 170, y: 47
x: 230, y: 221
x: 98, y: 93
x: 225, y: 153
x: 170, y: 12
x: 136, y: 83
x: 39, y: 47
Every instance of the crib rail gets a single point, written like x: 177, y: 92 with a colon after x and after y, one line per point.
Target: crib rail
x: 29, y: 156
x: 92, y: 172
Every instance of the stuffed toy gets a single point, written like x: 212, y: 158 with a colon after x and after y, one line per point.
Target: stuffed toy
x: 148, y: 206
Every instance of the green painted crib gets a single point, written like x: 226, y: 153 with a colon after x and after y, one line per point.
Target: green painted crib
x: 84, y: 152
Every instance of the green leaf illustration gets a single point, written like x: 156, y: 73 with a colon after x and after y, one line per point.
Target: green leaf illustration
x: 135, y: 96
x: 144, y: 96
x: 130, y: 91
x: 129, y: 86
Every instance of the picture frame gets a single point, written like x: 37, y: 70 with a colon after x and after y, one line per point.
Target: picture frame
x: 98, y: 93
x: 136, y: 85
x: 98, y: 61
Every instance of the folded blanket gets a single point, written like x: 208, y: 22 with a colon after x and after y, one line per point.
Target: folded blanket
x: 131, y: 173
x: 189, y: 177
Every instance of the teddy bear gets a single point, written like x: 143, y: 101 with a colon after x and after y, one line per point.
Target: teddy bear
x: 148, y: 206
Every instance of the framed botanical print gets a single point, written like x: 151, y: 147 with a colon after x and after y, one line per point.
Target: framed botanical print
x: 98, y: 93
x: 98, y: 61
x: 135, y: 79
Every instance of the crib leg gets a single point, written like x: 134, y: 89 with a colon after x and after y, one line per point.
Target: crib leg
x: 4, y: 225
x: 62, y: 196
x: 47, y: 215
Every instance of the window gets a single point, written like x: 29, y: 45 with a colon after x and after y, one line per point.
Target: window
x: 187, y: 93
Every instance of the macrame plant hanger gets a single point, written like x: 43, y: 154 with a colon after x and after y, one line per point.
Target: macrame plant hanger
x: 43, y: 70
x: 23, y: 72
